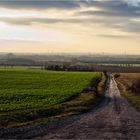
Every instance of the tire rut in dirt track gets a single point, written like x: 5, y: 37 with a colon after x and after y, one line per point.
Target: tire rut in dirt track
x: 115, y: 120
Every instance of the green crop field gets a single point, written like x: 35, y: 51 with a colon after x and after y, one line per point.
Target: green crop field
x: 27, y: 89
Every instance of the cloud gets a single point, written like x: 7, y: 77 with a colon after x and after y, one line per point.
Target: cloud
x: 37, y: 4
x: 117, y: 14
x: 110, y: 13
x: 119, y: 8
x: 115, y: 36
x: 29, y: 21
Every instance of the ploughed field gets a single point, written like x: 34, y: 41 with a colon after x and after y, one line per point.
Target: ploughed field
x: 129, y: 84
x: 28, y: 89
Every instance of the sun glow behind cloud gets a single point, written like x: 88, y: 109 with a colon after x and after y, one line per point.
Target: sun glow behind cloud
x: 12, y: 13
x: 86, y: 26
x: 25, y: 33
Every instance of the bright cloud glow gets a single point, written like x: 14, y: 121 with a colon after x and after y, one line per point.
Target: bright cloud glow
x: 70, y: 26
x: 25, y: 33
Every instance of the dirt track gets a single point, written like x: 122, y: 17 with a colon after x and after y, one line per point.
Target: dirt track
x: 114, y: 119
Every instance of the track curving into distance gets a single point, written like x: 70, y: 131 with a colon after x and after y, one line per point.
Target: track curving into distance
x: 116, y: 119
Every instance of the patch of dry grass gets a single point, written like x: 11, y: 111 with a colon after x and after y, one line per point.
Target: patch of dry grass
x: 129, y: 84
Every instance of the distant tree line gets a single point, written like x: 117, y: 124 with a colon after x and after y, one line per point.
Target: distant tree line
x: 91, y: 68
x: 68, y: 68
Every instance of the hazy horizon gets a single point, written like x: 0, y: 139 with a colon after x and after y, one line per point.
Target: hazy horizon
x: 70, y: 26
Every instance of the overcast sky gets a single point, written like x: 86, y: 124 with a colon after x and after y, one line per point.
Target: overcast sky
x: 95, y: 26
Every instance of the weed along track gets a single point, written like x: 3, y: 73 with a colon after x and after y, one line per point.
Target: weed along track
x: 115, y: 118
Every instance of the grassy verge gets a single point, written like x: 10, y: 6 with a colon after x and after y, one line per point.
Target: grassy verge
x: 129, y: 87
x: 83, y: 102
